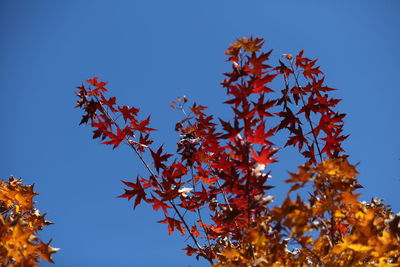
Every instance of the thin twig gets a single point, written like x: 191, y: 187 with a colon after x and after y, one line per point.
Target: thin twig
x: 198, y: 210
x: 305, y: 111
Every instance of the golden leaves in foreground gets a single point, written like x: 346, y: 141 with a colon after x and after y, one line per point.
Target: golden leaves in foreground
x: 329, y: 228
x: 19, y: 224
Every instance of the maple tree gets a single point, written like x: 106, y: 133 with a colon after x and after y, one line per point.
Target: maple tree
x: 20, y: 223
x: 215, y: 189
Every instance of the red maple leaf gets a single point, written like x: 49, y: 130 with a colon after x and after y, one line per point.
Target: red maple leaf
x: 128, y: 113
x: 259, y: 136
x: 258, y: 63
x: 173, y: 224
x: 157, y: 204
x: 109, y: 103
x: 159, y: 158
x: 298, y: 138
x: 137, y: 190
x: 262, y: 108
x: 194, y: 231
x: 197, y: 110
x: 288, y: 119
x: 99, y: 87
x: 190, y: 250
x: 264, y: 156
x: 115, y: 139
x: 142, y: 126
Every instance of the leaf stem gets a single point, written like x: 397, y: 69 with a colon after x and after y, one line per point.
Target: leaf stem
x: 305, y: 111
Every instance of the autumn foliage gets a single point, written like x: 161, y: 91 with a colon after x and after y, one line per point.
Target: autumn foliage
x: 215, y: 187
x: 20, y: 224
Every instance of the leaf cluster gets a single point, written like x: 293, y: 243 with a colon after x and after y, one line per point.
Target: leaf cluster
x: 20, y: 224
x: 214, y: 188
x: 329, y: 228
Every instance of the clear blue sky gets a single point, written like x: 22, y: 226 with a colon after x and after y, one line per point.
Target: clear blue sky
x: 151, y: 52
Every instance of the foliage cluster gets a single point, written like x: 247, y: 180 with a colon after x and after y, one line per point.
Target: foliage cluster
x: 20, y: 223
x: 215, y: 190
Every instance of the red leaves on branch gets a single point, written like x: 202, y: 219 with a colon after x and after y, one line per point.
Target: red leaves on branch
x: 217, y: 184
x: 102, y: 114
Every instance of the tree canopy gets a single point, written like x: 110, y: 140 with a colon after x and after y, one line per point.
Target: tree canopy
x: 215, y: 189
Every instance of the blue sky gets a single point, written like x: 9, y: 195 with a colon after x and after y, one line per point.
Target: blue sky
x: 151, y: 52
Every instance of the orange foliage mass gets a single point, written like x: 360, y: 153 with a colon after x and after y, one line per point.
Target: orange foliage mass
x: 329, y: 228
x: 20, y: 223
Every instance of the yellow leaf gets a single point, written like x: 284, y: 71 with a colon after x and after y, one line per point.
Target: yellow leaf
x: 359, y: 247
x: 349, y: 198
x: 231, y: 253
